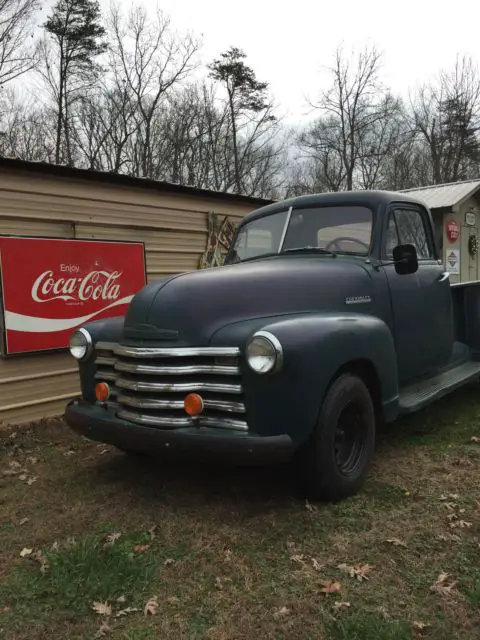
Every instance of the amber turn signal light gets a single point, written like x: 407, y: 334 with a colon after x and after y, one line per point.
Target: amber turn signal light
x: 193, y: 404
x: 102, y: 391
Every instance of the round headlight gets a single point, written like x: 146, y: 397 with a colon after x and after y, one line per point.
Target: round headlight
x: 264, y: 352
x: 80, y: 344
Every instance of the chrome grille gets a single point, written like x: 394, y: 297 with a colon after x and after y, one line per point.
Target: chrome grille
x: 149, y: 384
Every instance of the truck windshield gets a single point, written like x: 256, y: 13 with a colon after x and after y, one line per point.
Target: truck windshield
x: 338, y: 229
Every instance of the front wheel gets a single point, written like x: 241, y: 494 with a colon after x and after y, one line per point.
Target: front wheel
x: 342, y: 445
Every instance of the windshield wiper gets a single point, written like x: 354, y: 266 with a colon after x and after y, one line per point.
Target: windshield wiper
x: 314, y: 249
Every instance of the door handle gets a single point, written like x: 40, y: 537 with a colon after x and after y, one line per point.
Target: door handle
x: 445, y: 276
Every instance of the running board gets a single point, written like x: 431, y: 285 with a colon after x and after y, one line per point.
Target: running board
x: 421, y: 394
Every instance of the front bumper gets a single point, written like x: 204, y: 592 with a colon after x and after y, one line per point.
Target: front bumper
x: 204, y: 444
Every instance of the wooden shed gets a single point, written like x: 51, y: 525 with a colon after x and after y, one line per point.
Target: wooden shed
x: 43, y: 200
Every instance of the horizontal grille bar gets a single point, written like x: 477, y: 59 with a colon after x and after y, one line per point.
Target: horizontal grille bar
x: 105, y: 360
x: 156, y: 403
x: 176, y: 352
x: 181, y: 387
x: 152, y: 370
x: 176, y: 422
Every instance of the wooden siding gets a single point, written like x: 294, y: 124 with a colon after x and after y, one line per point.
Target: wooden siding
x: 173, y: 227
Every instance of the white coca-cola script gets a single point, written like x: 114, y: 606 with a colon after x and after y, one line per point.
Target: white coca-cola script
x: 96, y: 285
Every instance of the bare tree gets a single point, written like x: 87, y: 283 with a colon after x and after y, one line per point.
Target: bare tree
x: 150, y: 60
x: 16, y: 38
x: 446, y: 117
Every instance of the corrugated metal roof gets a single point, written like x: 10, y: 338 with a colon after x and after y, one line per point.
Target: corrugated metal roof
x: 445, y: 195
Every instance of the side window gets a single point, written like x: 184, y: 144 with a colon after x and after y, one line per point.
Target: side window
x: 411, y: 230
x: 391, y: 240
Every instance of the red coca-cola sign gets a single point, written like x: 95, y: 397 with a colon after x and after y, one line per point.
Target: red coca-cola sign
x: 453, y: 230
x: 52, y: 286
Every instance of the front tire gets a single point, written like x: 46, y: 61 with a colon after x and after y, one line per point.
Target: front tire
x: 341, y: 449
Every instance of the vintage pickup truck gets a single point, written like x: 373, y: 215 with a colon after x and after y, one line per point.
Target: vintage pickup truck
x: 331, y: 314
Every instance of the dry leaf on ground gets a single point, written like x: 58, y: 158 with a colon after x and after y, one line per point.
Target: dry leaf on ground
x: 121, y: 598
x: 168, y: 562
x: 339, y: 606
x: 444, y: 585
x: 125, y: 612
x: 316, y: 564
x: 359, y: 572
x: 329, y: 586
x: 141, y: 548
x: 396, y: 542
x: 151, y: 607
x: 309, y: 506
x: 42, y: 560
x: 102, y: 608
x: 151, y: 531
x: 31, y: 480
x: 419, y: 626
x: 23, y: 521
x: 475, y: 439
x: 280, y: 613
x: 25, y: 552
x: 111, y: 539
x: 299, y: 559
x: 104, y: 629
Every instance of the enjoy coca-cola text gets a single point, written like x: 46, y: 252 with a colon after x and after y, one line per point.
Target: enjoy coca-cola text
x: 96, y: 285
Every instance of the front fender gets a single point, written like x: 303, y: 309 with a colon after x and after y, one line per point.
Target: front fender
x: 315, y: 347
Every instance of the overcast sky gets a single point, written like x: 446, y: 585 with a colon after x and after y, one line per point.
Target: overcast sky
x: 288, y: 43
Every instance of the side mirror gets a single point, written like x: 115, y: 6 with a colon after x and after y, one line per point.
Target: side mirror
x: 405, y: 259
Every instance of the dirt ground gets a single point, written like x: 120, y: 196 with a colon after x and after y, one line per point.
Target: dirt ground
x: 96, y: 543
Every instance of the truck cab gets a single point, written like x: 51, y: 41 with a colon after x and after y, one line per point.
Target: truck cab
x: 332, y: 313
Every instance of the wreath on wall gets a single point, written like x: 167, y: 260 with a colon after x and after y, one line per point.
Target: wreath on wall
x: 472, y: 246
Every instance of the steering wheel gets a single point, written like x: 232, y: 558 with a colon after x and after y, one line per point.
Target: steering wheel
x: 335, y: 243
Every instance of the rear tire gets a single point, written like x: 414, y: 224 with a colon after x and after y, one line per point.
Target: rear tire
x: 341, y: 449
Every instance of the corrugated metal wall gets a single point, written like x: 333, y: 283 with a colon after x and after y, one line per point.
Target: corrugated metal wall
x: 173, y: 227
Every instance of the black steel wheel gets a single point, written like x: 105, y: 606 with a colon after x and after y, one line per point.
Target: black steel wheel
x: 341, y: 449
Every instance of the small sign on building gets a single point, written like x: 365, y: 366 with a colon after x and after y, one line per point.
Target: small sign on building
x: 453, y: 230
x: 453, y: 261
x: 470, y: 218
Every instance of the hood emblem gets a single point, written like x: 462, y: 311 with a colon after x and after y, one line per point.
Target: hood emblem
x: 358, y: 300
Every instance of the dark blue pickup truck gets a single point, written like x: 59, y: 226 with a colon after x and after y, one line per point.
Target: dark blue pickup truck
x: 332, y: 313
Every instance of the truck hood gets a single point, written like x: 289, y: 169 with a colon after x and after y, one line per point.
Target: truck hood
x: 189, y: 308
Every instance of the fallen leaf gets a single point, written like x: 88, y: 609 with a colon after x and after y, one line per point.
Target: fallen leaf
x: 5, y: 609
x: 299, y: 559
x: 173, y: 600
x: 32, y: 460
x: 121, y: 598
x: 359, y: 572
x: 316, y: 564
x: 475, y: 439
x: 69, y: 452
x: 443, y: 585
x: 25, y: 552
x: 125, y: 612
x: 23, y: 477
x: 42, y: 560
x: 111, y: 539
x: 15, y: 464
x: 218, y: 583
x: 151, y: 607
x: 31, y: 480
x: 329, y: 586
x: 228, y: 555
x: 419, y: 626
x: 168, y: 562
x: 338, y: 606
x: 22, y: 521
x: 462, y: 524
x: 283, y: 611
x: 55, y: 546
x: 141, y: 548
x: 309, y: 507
x: 104, y: 629
x: 71, y: 542
x: 396, y: 542
x: 151, y: 532
x: 102, y: 608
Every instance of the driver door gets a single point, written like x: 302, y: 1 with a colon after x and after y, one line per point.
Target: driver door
x: 420, y: 302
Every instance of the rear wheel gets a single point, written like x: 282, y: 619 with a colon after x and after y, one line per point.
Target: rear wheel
x: 342, y: 445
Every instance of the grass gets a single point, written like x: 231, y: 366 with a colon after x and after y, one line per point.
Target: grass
x: 236, y: 553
